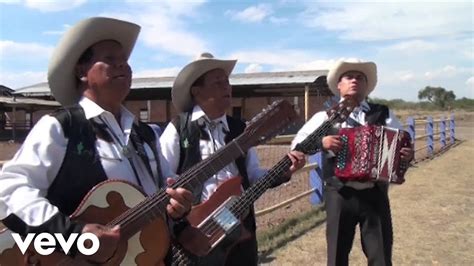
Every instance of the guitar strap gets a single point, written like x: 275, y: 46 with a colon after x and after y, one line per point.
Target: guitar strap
x: 142, y: 133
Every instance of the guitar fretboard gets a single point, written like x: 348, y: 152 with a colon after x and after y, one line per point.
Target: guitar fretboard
x: 307, y: 146
x: 132, y: 220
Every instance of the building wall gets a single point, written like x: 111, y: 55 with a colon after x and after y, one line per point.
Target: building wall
x: 20, y: 115
x: 136, y: 106
x: 158, y: 111
x: 38, y: 114
x: 162, y: 111
x: 253, y: 106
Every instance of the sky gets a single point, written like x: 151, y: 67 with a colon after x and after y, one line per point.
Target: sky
x: 414, y: 43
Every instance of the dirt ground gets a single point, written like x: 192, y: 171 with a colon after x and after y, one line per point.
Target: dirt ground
x: 433, y: 218
x: 7, y: 150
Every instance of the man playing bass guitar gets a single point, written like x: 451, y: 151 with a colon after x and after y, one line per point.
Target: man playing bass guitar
x: 202, y: 93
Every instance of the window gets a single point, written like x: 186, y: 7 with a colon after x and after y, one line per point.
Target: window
x: 27, y: 120
x: 144, y: 115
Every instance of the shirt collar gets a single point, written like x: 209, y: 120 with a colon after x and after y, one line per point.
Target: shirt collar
x: 363, y: 106
x: 92, y: 109
x: 199, y: 113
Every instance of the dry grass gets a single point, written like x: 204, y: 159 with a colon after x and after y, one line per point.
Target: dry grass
x: 290, y: 229
x: 458, y: 114
x: 433, y: 217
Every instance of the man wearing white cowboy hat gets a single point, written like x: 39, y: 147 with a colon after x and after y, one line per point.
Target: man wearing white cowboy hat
x: 203, y: 94
x: 350, y: 203
x: 92, y: 139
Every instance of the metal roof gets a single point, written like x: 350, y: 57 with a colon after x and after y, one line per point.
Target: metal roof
x: 289, y: 77
x: 5, y: 91
x: 14, y: 101
x: 242, y: 81
x: 40, y: 89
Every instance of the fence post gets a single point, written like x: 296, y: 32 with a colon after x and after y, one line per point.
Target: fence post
x: 452, y: 126
x: 315, y: 178
x: 430, y: 137
x: 411, y: 129
x: 442, y: 129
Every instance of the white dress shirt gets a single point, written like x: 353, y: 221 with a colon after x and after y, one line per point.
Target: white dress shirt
x: 357, y: 115
x: 26, y: 178
x: 171, y: 151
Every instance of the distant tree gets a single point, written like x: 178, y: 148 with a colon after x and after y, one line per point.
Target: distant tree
x: 394, y: 103
x: 437, y: 95
x: 464, y: 103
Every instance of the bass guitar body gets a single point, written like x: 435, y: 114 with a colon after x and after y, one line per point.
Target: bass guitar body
x: 229, y: 231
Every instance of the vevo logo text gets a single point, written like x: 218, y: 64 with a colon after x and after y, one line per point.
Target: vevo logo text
x: 45, y: 243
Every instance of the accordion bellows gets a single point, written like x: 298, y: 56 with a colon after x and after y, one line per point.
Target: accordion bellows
x: 372, y: 153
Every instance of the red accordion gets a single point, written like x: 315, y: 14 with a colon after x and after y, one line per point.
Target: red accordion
x: 372, y: 153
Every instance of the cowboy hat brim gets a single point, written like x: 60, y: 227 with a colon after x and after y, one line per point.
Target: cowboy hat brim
x: 61, y: 70
x: 368, y: 68
x: 181, y: 91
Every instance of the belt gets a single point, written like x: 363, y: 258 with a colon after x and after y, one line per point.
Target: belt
x: 359, y: 185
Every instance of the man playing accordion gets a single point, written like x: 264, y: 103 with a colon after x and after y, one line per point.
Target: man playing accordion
x: 349, y: 203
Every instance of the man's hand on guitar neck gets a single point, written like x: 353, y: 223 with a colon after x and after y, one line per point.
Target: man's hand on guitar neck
x: 108, y: 238
x: 181, y: 200
x: 298, y: 160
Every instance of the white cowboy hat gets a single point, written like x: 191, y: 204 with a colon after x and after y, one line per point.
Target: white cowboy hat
x: 368, y: 68
x: 181, y: 91
x: 61, y: 69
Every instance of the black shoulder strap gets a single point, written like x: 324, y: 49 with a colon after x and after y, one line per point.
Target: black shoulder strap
x: 236, y: 127
x: 179, y: 123
x: 142, y: 133
x: 189, y: 135
x: 377, y: 114
x: 75, y: 125
x: 189, y: 152
x: 64, y: 116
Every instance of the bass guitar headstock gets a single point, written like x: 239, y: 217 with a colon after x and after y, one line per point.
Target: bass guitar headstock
x: 337, y: 114
x: 267, y: 124
x: 341, y: 111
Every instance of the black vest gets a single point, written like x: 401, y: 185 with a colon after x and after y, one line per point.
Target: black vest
x: 81, y: 168
x: 375, y: 116
x: 190, y: 132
